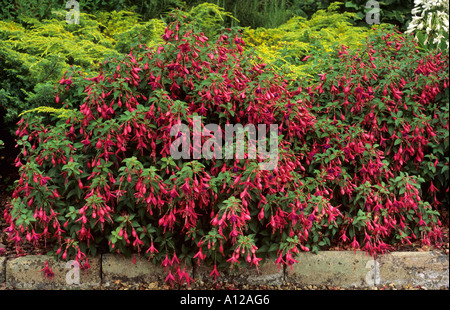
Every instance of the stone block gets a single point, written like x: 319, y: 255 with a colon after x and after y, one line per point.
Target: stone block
x: 26, y: 273
x: 119, y: 267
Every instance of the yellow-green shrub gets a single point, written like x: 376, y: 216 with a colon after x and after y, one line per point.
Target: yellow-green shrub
x: 287, y: 45
x: 209, y: 18
x: 35, y: 54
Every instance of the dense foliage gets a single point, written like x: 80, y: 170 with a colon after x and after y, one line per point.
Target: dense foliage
x: 362, y: 117
x: 380, y: 149
x: 34, y: 55
x: 250, y: 13
x: 353, y: 151
x: 286, y: 46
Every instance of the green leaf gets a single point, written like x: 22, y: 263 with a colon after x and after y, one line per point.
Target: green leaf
x: 274, y: 247
x: 315, y: 238
x: 253, y: 226
x: 350, y: 4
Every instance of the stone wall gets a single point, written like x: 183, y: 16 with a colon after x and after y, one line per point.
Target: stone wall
x: 333, y: 268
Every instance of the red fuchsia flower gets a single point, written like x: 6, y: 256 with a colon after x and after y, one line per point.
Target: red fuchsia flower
x: 170, y: 278
x: 99, y: 144
x: 167, y: 35
x: 432, y: 188
x: 233, y: 234
x: 43, y: 181
x: 175, y: 259
x: 303, y: 248
x: 214, y: 273
x: 233, y: 259
x: 289, y: 259
x: 152, y: 249
x: 173, y: 192
x: 355, y: 244
x: 186, y: 187
x: 86, y: 264
x: 343, y: 237
x: 261, y: 214
x: 255, y: 260
x: 384, y: 248
x: 68, y: 82
x: 47, y: 270
x: 185, y: 275
x: 200, y: 256
x: 166, y: 262
x: 421, y: 221
x: 280, y: 260
x: 84, y: 234
x: 369, y: 248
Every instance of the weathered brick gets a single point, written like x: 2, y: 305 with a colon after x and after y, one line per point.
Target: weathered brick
x: 266, y: 274
x: 2, y: 269
x: 356, y: 269
x: 25, y: 273
x: 426, y: 269
x: 119, y: 267
x: 334, y: 268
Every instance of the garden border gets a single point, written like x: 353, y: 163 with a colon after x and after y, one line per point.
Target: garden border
x: 345, y: 269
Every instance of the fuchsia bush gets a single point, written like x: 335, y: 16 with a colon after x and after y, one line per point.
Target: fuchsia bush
x: 354, y: 149
x: 381, y: 140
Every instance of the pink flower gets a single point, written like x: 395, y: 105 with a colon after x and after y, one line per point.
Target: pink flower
x: 256, y: 260
x: 167, y: 35
x: 289, y: 259
x: 152, y: 249
x: 98, y: 145
x: 280, y: 260
x: 184, y: 274
x: 261, y: 214
x: 86, y: 264
x: 343, y: 237
x: 48, y: 273
x: 200, y: 256
x: 355, y: 243
x: 170, y: 278
x: 233, y: 259
x: 214, y: 273
x: 174, y: 259
x: 166, y: 262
